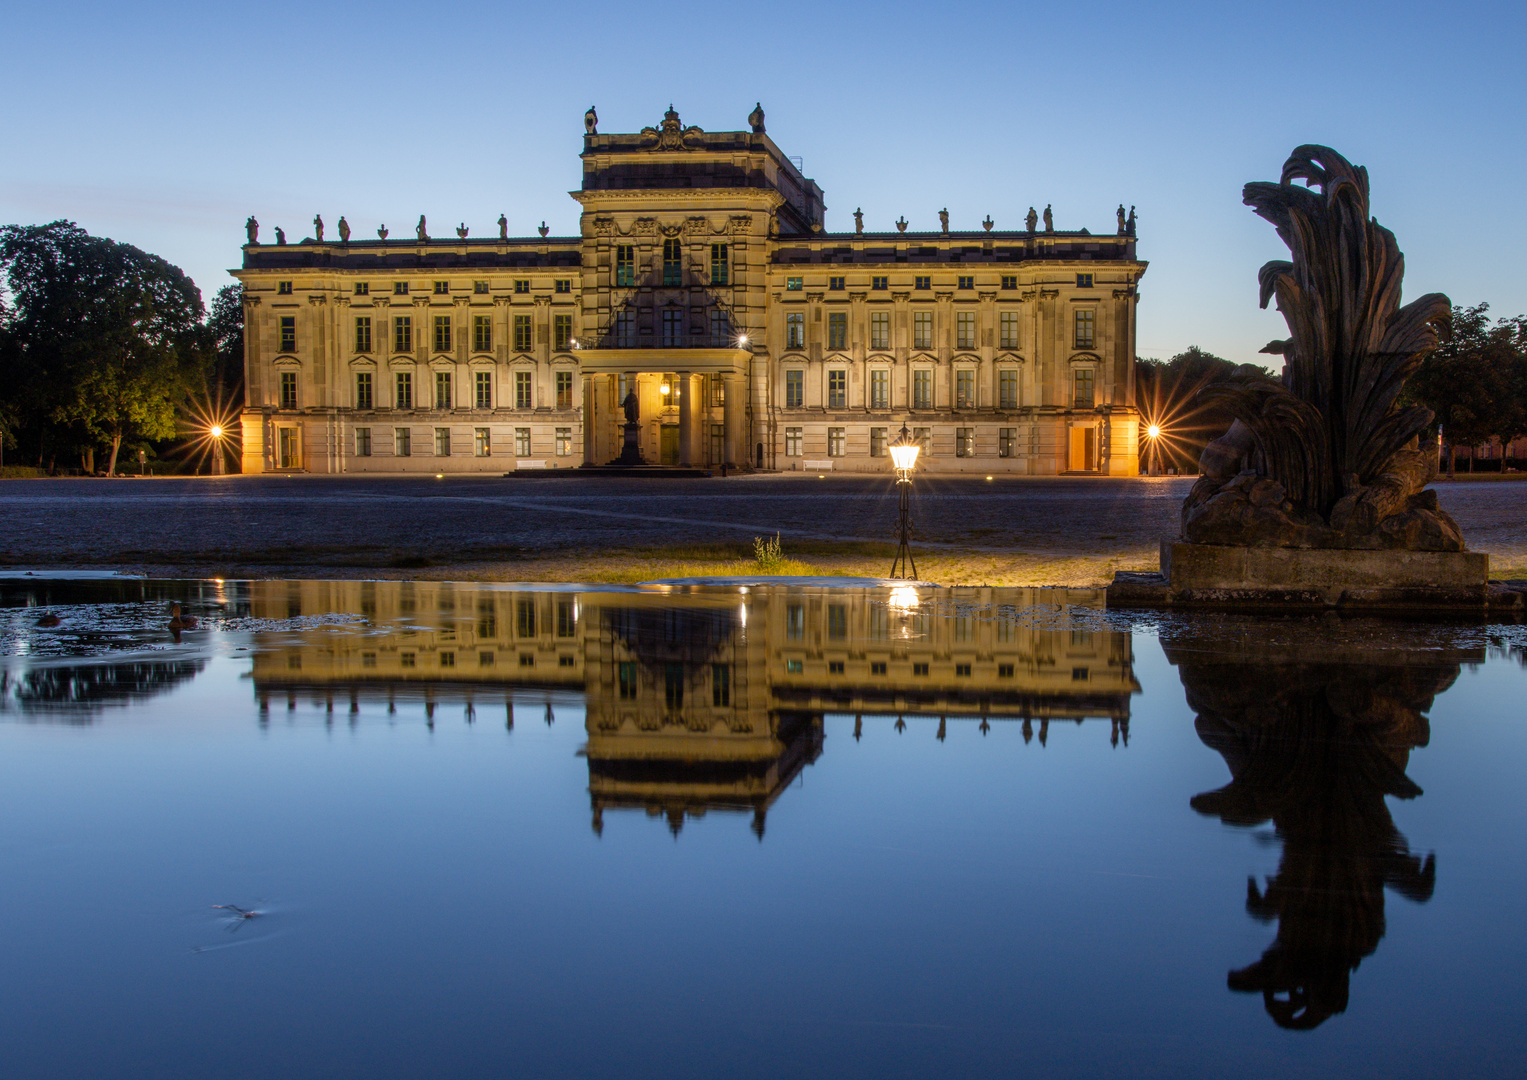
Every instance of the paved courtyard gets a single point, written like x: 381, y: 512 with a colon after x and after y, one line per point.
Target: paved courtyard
x: 968, y: 531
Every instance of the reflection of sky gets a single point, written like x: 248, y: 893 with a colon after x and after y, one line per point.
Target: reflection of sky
x: 438, y: 904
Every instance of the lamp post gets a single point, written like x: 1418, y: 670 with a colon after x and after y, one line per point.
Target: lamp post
x: 216, y: 431
x: 1153, y: 463
x: 904, y: 457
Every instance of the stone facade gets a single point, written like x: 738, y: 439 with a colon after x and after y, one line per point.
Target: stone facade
x: 703, y: 281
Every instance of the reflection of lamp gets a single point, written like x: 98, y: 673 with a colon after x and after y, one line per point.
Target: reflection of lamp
x: 904, y: 452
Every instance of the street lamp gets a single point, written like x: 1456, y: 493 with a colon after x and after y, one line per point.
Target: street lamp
x: 904, y: 452
x: 1153, y: 433
x: 216, y: 431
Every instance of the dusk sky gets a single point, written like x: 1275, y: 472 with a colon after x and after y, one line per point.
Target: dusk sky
x: 165, y: 125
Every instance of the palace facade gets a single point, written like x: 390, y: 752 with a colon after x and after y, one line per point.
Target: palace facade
x: 703, y: 289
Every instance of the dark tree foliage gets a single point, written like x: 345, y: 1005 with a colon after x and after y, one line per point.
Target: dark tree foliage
x: 102, y: 344
x: 1167, y: 393
x: 225, y: 322
x: 1476, y: 380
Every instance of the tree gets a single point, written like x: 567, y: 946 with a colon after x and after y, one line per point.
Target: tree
x: 225, y: 322
x: 1475, y: 382
x: 105, y: 338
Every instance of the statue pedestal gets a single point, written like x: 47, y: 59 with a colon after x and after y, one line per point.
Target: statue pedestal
x: 631, y: 451
x: 1276, y: 578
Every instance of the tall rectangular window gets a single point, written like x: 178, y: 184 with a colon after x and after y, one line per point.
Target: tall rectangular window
x: 720, y: 329
x: 522, y: 394
x: 363, y: 333
x: 1085, y: 319
x: 1007, y: 440
x: 880, y: 389
x: 562, y: 332
x: 564, y: 389
x: 792, y: 442
x: 965, y: 330
x: 880, y: 330
x: 567, y: 619
x: 837, y: 389
x: 720, y: 685
x: 564, y: 442
x: 362, y: 442
x: 402, y: 442
x: 673, y: 328
x: 482, y: 382
x: 482, y: 333
x: 443, y: 390
x: 795, y: 330
x: 835, y: 441
x: 442, y: 442
x: 1083, y: 399
x: 673, y: 685
x: 625, y: 265
x: 837, y: 330
x: 965, y: 389
x: 482, y: 442
x: 922, y: 330
x: 877, y: 442
x: 1007, y: 388
x: 795, y: 389
x: 719, y: 268
x: 402, y: 333
x: 922, y: 389
x: 625, y: 329
x: 964, y: 442
x: 525, y: 618
x: 522, y: 442
x: 288, y: 390
x: 288, y: 333
x: 442, y: 333
x: 626, y: 674
x: 403, y: 390
x: 673, y: 263
x: 924, y: 438
x: 522, y: 337
x: 363, y: 389
x: 1008, y: 330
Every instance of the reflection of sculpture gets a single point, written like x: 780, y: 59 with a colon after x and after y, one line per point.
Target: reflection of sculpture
x: 1315, y: 742
x: 1031, y: 221
x: 344, y: 230
x: 420, y: 231
x: 318, y: 227
x: 591, y: 122
x: 1049, y: 219
x: 503, y: 227
x: 252, y: 229
x: 1334, y: 461
x: 756, y: 119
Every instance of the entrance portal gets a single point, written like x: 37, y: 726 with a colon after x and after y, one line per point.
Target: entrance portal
x: 668, y: 451
x: 1084, y: 450
x: 287, y: 456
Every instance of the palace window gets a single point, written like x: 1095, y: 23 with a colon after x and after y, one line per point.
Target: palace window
x: 522, y: 285
x: 443, y: 390
x: 720, y: 329
x: 795, y: 330
x: 794, y: 284
x: 362, y: 442
x: 564, y: 285
x: 522, y: 393
x: 525, y: 618
x: 562, y: 332
x: 288, y: 390
x: 1007, y: 328
x: 792, y: 442
x: 922, y: 389
x: 717, y: 443
x: 837, y: 389
x: 922, y: 330
x: 795, y: 389
x: 879, y: 282
x: 442, y: 333
x: 402, y: 333
x: 1007, y: 388
x: 877, y: 442
x: 362, y: 288
x: 880, y: 330
x: 402, y: 442
x: 1009, y: 281
x: 626, y: 674
x: 522, y: 341
x: 482, y: 333
x: 522, y: 442
x: 1007, y: 439
x: 673, y: 328
x: 482, y: 444
x: 288, y: 333
x: 482, y: 385
x: 835, y: 442
x: 403, y: 390
x: 921, y: 282
x: 836, y: 284
x: 967, y: 282
x: 719, y: 269
x: 363, y: 389
x: 567, y: 619
x: 564, y: 442
x: 837, y: 330
x: 442, y: 442
x: 837, y: 624
x: 795, y: 622
x: 924, y: 438
x: 1085, y: 319
x: 625, y: 329
x: 400, y: 288
x: 1084, y: 281
x: 479, y: 288
x: 363, y: 333
x: 564, y: 389
x: 1083, y: 396
x: 965, y: 389
x: 673, y: 685
x: 964, y: 442
x: 965, y: 330
x: 880, y: 389
x: 720, y: 685
x: 442, y: 288
x: 625, y: 265
x: 673, y: 263
x: 283, y: 288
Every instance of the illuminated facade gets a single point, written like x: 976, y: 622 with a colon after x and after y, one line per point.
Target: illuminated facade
x: 702, y: 282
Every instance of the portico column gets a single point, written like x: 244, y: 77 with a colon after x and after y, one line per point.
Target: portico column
x: 590, y: 415
x: 731, y: 389
x: 686, y: 423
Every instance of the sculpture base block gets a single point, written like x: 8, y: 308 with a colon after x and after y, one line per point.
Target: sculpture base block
x: 1216, y: 576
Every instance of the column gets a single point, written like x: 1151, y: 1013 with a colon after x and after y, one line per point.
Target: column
x: 731, y: 390
x: 590, y: 415
x: 686, y: 421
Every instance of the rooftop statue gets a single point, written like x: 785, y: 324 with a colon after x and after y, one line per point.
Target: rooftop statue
x: 503, y: 227
x: 1123, y: 221
x: 591, y: 122
x: 420, y: 231
x: 858, y: 220
x: 1129, y: 225
x: 1049, y: 219
x: 318, y: 228
x: 344, y: 230
x: 280, y: 235
x: 1325, y: 457
x: 943, y: 219
x: 1032, y: 220
x: 252, y: 229
x: 756, y: 119
x: 381, y: 230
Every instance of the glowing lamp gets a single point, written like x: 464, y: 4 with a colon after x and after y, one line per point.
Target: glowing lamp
x: 742, y: 342
x: 665, y: 389
x: 216, y: 431
x: 904, y: 451
x: 1153, y: 431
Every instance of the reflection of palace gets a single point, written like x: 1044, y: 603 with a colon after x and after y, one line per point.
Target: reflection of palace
x: 1316, y: 736
x: 713, y: 703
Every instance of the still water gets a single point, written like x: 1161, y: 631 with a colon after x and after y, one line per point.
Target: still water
x: 783, y: 832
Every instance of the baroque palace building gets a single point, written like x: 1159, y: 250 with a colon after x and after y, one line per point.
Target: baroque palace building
x: 704, y: 295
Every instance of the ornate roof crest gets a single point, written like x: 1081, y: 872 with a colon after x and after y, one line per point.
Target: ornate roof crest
x: 673, y: 135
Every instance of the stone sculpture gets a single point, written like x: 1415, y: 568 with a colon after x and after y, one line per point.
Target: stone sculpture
x: 858, y: 220
x: 543, y: 230
x: 1049, y: 219
x: 461, y: 231
x: 1325, y: 457
x: 503, y: 227
x: 1032, y: 220
x: 756, y: 119
x: 420, y: 231
x: 901, y: 224
x: 344, y: 230
x: 280, y: 235
x: 381, y: 231
x: 318, y: 228
x: 1123, y: 222
x: 943, y: 220
x: 591, y: 122
x: 252, y: 229
x: 1129, y: 225
x: 988, y: 223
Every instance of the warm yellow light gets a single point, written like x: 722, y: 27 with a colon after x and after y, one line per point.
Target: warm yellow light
x: 217, y: 431
x: 904, y: 457
x: 988, y: 478
x: 440, y: 476
x: 665, y: 388
x: 1153, y: 431
x: 742, y: 342
x: 903, y: 598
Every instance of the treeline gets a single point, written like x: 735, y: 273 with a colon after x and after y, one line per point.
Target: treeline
x: 106, y: 350
x: 1475, y: 383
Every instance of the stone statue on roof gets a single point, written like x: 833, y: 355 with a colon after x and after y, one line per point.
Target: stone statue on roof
x: 1032, y: 221
x: 1123, y: 225
x: 381, y: 231
x: 318, y: 227
x: 252, y: 230
x: 1129, y: 225
x: 280, y: 235
x: 503, y: 227
x: 420, y: 231
x: 858, y: 221
x: 344, y: 230
x: 943, y: 219
x: 591, y: 122
x: 756, y: 119
x: 1049, y: 219
x: 630, y: 406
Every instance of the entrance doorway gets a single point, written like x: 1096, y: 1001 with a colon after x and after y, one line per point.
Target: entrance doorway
x: 668, y: 449
x: 288, y: 455
x: 1084, y: 450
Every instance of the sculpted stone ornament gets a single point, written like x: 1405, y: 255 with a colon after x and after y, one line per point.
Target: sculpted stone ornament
x: 988, y: 223
x: 252, y: 230
x: 543, y: 230
x: 591, y: 122
x: 1129, y: 225
x: 1049, y: 219
x: 1032, y: 220
x: 461, y: 231
x: 381, y: 231
x: 280, y: 235
x: 858, y: 221
x: 901, y: 224
x: 1325, y: 457
x: 672, y: 135
x: 943, y: 220
x: 420, y: 231
x: 756, y: 119
x: 344, y: 230
x: 1123, y: 221
x: 318, y: 228
x: 503, y: 227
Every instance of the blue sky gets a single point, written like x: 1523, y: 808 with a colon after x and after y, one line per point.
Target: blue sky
x: 165, y: 125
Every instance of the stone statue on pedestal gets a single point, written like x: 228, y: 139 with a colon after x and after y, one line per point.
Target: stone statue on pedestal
x: 756, y: 119
x: 318, y: 228
x: 1049, y: 219
x: 591, y: 122
x: 943, y: 220
x: 344, y: 230
x: 1129, y: 224
x: 858, y: 221
x: 503, y: 227
x: 420, y: 231
x: 1031, y: 222
x: 252, y: 230
x: 1123, y: 222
